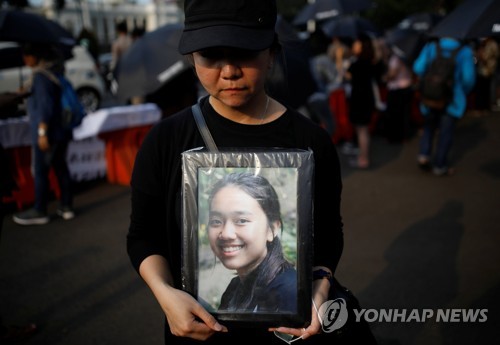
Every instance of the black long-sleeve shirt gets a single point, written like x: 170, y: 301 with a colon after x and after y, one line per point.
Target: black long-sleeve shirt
x: 155, y: 222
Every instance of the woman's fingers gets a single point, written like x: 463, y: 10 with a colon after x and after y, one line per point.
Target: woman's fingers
x: 208, y: 319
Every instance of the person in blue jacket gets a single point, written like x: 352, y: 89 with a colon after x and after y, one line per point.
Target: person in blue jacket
x: 444, y: 119
x: 49, y: 137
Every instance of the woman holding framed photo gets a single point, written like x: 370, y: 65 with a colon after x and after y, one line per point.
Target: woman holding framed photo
x: 233, y: 46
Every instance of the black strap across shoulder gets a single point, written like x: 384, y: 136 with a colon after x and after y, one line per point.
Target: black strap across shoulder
x: 203, y: 128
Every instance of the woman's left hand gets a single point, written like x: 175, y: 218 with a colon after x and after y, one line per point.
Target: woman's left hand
x: 43, y: 143
x: 320, y: 296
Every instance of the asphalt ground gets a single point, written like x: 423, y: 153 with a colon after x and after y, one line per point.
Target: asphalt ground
x: 414, y: 243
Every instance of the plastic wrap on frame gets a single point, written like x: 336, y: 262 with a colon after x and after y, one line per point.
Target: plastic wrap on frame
x: 303, y: 162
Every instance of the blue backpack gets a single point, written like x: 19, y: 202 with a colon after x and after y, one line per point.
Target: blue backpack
x: 436, y: 86
x: 73, y: 111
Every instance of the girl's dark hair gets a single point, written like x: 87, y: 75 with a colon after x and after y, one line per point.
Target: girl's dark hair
x: 257, y: 187
x: 274, y: 263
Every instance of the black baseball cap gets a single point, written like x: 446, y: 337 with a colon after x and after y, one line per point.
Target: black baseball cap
x: 243, y: 24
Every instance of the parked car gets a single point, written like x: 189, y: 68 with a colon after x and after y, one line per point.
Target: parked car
x: 81, y: 70
x: 105, y: 69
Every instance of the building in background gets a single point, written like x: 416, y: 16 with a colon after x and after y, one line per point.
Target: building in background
x: 101, y: 16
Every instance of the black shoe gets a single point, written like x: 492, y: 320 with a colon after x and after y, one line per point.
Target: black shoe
x: 65, y: 212
x: 31, y: 217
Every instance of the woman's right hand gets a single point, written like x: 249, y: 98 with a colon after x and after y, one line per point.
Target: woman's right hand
x: 186, y: 317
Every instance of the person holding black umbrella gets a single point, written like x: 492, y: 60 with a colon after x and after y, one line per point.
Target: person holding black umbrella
x: 50, y: 139
x: 399, y: 81
x: 487, y: 54
x: 362, y: 74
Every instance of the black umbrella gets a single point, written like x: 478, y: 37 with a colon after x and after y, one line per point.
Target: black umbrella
x: 471, y: 19
x: 349, y: 26
x: 150, y: 62
x: 291, y: 80
x: 24, y: 27
x: 10, y: 55
x: 322, y: 10
x: 406, y: 43
x: 421, y: 21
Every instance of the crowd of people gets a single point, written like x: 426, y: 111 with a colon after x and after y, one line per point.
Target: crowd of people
x: 374, y: 89
x: 364, y: 87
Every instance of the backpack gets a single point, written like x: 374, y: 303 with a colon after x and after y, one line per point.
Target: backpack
x: 436, y: 85
x: 73, y: 111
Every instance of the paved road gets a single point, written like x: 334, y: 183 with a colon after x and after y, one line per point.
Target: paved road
x: 412, y: 241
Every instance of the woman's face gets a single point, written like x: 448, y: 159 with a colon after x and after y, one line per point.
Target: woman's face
x: 232, y: 76
x: 357, y: 47
x: 238, y: 230
x: 30, y: 60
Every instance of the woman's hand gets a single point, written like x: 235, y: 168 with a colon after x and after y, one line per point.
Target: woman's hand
x: 43, y: 143
x: 43, y: 140
x: 186, y: 317
x: 319, y: 296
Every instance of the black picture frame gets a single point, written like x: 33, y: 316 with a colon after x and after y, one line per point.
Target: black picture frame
x: 290, y: 172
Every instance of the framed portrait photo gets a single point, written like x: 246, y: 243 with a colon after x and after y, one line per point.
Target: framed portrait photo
x: 247, y: 234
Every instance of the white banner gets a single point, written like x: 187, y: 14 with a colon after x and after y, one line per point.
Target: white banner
x: 87, y: 159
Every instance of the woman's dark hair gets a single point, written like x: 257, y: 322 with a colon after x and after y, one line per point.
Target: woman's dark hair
x: 41, y: 51
x: 122, y: 27
x: 274, y: 263
x: 367, y: 49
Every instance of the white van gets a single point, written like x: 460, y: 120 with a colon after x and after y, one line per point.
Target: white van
x: 81, y: 71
